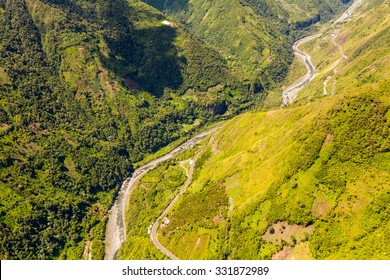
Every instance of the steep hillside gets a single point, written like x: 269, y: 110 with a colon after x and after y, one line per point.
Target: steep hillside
x: 301, y: 13
x: 87, y: 89
x: 91, y: 88
x: 254, y: 35
x: 310, y: 181
x: 351, y: 56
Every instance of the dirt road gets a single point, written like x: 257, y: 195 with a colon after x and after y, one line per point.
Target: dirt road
x: 153, y: 234
x: 116, y: 227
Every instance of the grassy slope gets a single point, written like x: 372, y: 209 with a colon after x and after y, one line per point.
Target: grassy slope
x: 148, y: 199
x: 364, y: 43
x: 323, y: 166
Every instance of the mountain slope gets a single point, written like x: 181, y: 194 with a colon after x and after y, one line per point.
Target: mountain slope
x: 84, y: 95
x: 351, y: 57
x: 310, y: 181
x: 238, y: 32
x: 303, y: 12
x: 255, y: 36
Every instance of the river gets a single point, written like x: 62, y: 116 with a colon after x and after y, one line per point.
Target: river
x: 116, y: 226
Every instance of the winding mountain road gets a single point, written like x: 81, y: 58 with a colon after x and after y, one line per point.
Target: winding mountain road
x: 153, y: 234
x: 342, y: 19
x: 116, y: 226
x: 290, y: 93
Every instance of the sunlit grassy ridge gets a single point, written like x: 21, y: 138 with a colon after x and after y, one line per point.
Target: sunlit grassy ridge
x: 364, y: 41
x: 323, y: 166
x: 88, y: 88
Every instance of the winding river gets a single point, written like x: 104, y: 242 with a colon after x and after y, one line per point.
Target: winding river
x: 290, y: 93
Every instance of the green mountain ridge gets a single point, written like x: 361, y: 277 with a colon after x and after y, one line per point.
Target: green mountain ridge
x: 310, y: 181
x: 254, y: 35
x: 302, y: 12
x: 88, y: 88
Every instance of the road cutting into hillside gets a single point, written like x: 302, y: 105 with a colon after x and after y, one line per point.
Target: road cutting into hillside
x: 290, y: 93
x: 116, y: 226
x: 153, y: 234
x: 342, y: 19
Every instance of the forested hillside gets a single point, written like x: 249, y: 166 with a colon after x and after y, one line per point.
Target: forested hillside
x: 308, y: 181
x: 87, y: 89
x: 302, y: 13
x: 254, y: 35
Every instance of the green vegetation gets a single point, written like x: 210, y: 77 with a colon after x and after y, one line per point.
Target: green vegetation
x: 254, y: 36
x: 149, y: 198
x: 363, y: 41
x: 303, y: 166
x: 255, y: 46
x: 84, y: 96
x: 318, y: 171
x: 90, y: 89
x: 304, y: 12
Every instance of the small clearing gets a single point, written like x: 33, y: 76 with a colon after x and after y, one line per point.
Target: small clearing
x: 321, y: 207
x: 289, y: 233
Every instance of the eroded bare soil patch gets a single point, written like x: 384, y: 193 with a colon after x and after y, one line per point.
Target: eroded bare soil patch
x: 291, y: 234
